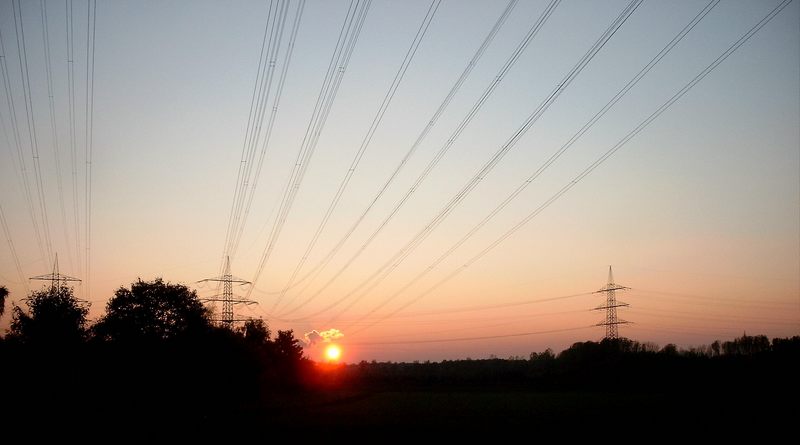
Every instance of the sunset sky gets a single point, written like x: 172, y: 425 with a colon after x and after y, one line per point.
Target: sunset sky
x: 698, y: 213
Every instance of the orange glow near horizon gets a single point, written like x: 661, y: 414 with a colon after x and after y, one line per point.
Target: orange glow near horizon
x: 333, y: 353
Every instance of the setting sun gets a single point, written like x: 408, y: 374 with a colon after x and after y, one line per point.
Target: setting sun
x: 333, y: 352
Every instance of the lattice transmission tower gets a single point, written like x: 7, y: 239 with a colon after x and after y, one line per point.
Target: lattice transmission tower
x: 611, y: 322
x: 227, y: 298
x: 55, y: 278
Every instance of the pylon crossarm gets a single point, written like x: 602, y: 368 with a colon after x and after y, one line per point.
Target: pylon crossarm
x: 49, y: 277
x: 619, y: 304
x: 608, y: 323
x: 225, y: 280
x: 234, y: 320
x: 610, y: 288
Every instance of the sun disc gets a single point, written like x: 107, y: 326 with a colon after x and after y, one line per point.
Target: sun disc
x: 333, y: 352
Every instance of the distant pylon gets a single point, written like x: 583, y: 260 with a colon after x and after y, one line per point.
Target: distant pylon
x: 55, y: 278
x: 227, y: 298
x: 611, y: 322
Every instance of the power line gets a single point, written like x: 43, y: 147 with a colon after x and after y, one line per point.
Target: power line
x: 22, y: 55
x: 716, y: 300
x: 73, y: 151
x: 642, y: 125
x: 270, y: 48
x: 471, y: 309
x: 261, y: 89
x: 574, y: 138
x: 459, y: 339
x: 314, y: 272
x: 398, y: 78
x: 18, y: 145
x: 270, y: 124
x: 415, y: 319
x: 716, y: 332
x: 686, y: 315
x: 13, y: 250
x: 509, y: 63
x: 474, y: 326
x: 351, y: 29
x: 54, y: 128
x: 91, y: 26
x: 379, y: 275
x: 484, y: 307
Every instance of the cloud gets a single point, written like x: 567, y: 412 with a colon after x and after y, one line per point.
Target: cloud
x: 314, y: 337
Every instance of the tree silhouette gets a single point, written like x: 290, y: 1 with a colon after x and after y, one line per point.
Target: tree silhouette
x: 3, y: 295
x: 256, y: 332
x: 287, y: 347
x: 151, y: 311
x: 746, y: 345
x: 54, y: 317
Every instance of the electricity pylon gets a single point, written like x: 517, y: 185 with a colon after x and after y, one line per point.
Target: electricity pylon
x: 227, y: 298
x: 611, y: 322
x: 55, y: 278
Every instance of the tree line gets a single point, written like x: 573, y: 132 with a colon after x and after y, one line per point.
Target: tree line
x: 748, y: 361
x: 154, y: 355
x: 147, y: 312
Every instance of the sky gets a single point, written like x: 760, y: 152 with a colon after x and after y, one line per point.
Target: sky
x: 698, y: 212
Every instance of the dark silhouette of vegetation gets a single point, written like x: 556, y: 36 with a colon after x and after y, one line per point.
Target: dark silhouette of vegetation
x: 155, y: 362
x: 54, y: 318
x: 592, y: 365
x: 256, y: 332
x: 3, y: 295
x: 152, y: 311
x: 287, y: 347
x: 747, y: 345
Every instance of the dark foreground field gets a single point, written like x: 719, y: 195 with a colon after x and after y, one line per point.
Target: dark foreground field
x: 759, y: 408
x: 567, y: 412
x: 180, y: 394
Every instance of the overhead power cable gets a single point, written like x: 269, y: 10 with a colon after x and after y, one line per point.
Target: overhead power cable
x: 566, y: 146
x: 54, y: 131
x: 91, y: 27
x: 351, y: 29
x: 273, y: 115
x: 686, y: 315
x: 599, y: 161
x: 509, y: 63
x: 13, y: 250
x: 460, y: 339
x: 313, y: 273
x: 381, y: 273
x: 376, y: 121
x: 22, y: 55
x: 15, y: 131
x: 73, y: 146
x: 473, y: 327
x: 270, y: 47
